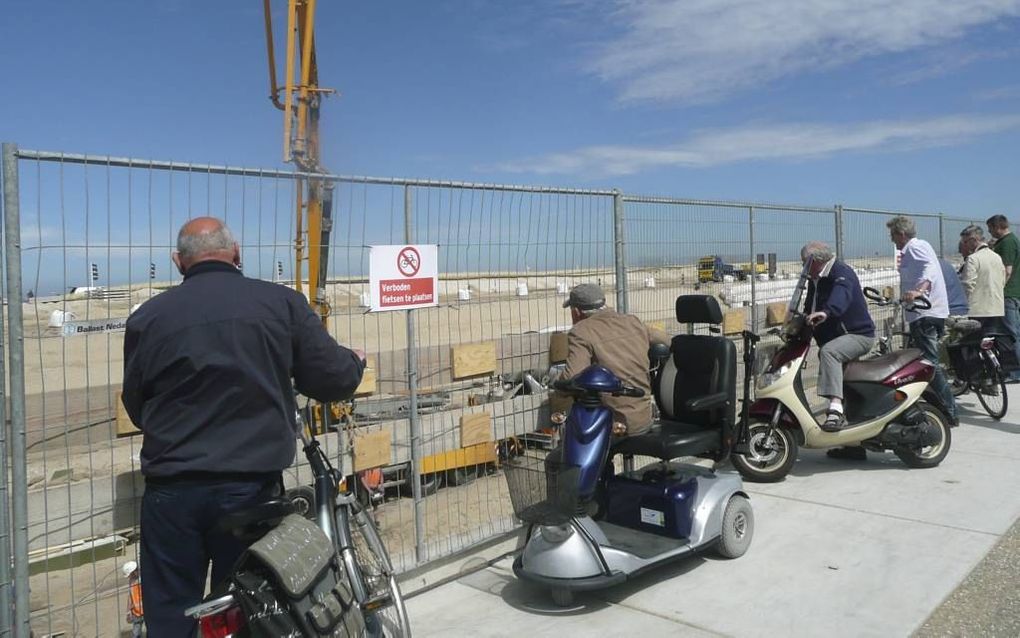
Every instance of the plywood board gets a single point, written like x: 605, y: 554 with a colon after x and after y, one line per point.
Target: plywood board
x: 734, y: 321
x: 368, y: 379
x: 473, y: 359
x: 371, y: 448
x: 775, y: 313
x: 475, y: 428
x: 557, y: 347
x: 124, y: 425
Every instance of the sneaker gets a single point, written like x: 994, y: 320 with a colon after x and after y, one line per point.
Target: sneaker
x: 853, y: 453
x: 834, y: 421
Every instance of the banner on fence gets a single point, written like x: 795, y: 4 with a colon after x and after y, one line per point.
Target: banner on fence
x: 94, y: 326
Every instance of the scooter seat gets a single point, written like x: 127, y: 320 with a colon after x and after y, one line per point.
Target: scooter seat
x: 879, y: 368
x: 670, y: 439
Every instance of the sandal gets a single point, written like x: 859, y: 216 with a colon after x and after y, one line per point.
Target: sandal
x: 834, y: 421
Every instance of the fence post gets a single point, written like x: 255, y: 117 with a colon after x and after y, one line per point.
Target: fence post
x: 942, y: 236
x: 839, y: 231
x: 413, y: 419
x: 19, y: 459
x: 10, y: 185
x: 753, y: 265
x: 619, y: 257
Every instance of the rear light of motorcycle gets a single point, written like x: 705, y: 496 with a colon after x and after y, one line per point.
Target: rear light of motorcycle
x: 222, y: 624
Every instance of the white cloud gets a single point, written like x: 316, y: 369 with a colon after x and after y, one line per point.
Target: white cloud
x: 701, y: 50
x: 771, y: 142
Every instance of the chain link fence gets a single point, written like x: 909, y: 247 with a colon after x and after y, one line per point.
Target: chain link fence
x: 89, y: 238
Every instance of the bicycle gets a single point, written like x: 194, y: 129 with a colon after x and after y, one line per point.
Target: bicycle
x: 974, y: 359
x: 355, y: 540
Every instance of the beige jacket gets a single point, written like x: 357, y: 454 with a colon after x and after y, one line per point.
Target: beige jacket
x: 984, y: 278
x: 620, y: 343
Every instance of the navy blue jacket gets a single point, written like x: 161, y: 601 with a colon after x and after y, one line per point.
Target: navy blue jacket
x: 954, y: 290
x: 839, y: 296
x: 207, y: 373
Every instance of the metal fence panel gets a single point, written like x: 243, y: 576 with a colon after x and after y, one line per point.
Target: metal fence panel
x: 105, y: 227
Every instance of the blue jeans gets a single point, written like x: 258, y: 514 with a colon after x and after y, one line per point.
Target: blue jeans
x: 1012, y: 320
x: 924, y: 335
x: 180, y: 539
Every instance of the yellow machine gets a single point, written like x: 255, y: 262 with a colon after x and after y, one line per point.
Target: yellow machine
x: 300, y: 98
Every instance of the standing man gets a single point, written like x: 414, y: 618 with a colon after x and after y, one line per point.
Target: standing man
x: 984, y: 279
x: 921, y: 276
x: 1008, y: 248
x: 617, y: 342
x: 207, y: 378
x: 844, y: 330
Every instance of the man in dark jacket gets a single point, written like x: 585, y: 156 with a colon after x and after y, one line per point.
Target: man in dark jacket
x: 207, y: 378
x: 844, y: 331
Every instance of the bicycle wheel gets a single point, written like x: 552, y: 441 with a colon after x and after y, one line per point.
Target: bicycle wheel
x: 990, y: 386
x: 385, y: 614
x: 957, y: 385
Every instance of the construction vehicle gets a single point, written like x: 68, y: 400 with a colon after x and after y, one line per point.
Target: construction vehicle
x: 300, y: 98
x: 715, y: 268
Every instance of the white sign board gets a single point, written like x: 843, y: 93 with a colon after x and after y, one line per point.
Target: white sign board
x: 94, y: 326
x: 404, y: 276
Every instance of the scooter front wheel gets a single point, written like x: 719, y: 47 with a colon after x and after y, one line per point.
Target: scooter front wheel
x: 771, y: 453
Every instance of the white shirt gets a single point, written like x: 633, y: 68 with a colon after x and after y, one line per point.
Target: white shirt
x: 920, y: 263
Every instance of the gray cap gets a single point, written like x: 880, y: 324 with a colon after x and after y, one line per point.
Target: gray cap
x: 585, y: 297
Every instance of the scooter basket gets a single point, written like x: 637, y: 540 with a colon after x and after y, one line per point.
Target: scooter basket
x: 543, y: 491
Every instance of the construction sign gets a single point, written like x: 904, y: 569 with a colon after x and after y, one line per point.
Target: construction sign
x: 403, y: 277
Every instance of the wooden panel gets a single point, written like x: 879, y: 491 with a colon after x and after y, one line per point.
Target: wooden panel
x: 124, y: 425
x: 475, y: 428
x: 473, y: 359
x: 734, y: 321
x: 775, y: 313
x: 464, y: 457
x: 368, y: 379
x: 557, y: 347
x: 371, y: 449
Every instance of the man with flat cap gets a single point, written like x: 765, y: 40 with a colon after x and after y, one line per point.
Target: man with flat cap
x: 618, y: 342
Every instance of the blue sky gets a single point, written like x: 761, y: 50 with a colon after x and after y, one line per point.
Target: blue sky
x: 909, y: 104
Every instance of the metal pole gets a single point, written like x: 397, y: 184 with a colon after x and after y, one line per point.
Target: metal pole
x: 10, y: 184
x: 413, y: 418
x: 19, y: 462
x: 942, y: 236
x: 839, y: 232
x: 619, y: 257
x: 754, y: 269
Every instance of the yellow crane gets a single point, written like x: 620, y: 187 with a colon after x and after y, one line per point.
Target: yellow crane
x: 300, y: 100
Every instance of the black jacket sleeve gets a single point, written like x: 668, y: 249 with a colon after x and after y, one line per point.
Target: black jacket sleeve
x: 323, y: 369
x: 131, y: 394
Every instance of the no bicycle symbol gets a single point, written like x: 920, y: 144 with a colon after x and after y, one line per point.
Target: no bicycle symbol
x: 408, y: 261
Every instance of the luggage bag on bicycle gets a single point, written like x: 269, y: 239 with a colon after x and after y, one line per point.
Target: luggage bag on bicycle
x: 290, y: 583
x: 1005, y: 348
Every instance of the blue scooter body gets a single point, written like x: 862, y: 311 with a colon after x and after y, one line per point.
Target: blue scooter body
x: 589, y: 427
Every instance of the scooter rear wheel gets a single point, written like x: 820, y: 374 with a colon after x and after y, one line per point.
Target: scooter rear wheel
x: 737, y: 528
x: 773, y: 451
x: 931, y: 455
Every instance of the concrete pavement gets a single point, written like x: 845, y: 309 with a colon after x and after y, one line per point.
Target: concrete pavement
x: 841, y: 548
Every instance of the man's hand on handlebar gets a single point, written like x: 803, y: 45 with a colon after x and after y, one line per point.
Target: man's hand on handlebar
x: 816, y: 318
x: 911, y: 295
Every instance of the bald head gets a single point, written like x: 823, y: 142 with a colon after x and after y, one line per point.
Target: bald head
x: 205, y: 239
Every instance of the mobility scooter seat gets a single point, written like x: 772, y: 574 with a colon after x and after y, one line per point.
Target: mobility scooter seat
x: 880, y: 368
x: 695, y: 389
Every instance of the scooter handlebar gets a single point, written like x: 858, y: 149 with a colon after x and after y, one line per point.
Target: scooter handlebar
x: 874, y: 295
x: 628, y: 391
x: 920, y: 303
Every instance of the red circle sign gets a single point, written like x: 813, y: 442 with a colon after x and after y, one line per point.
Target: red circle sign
x: 408, y: 261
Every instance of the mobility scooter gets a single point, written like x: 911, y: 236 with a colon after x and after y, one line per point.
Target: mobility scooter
x: 591, y: 527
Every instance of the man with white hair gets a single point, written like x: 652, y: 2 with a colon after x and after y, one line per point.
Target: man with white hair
x: 984, y: 278
x: 921, y: 276
x: 843, y: 328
